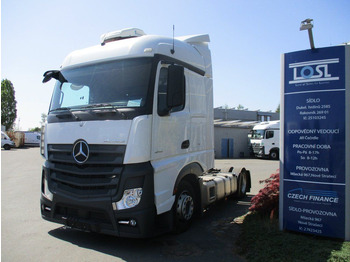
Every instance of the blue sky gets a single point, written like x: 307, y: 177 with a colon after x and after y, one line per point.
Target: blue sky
x: 247, y: 40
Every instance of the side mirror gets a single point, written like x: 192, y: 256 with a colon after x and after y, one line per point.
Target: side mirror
x: 48, y: 75
x: 176, y: 86
x: 56, y: 74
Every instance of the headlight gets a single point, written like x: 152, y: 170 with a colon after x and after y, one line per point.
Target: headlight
x: 131, y: 198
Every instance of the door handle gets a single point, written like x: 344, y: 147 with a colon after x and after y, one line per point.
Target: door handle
x: 185, y: 144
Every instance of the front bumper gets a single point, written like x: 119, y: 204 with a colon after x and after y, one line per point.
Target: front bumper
x: 258, y: 150
x: 96, y: 214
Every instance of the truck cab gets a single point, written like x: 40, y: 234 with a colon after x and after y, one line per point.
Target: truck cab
x: 265, y: 139
x: 127, y: 122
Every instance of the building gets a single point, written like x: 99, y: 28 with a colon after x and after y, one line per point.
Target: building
x: 231, y: 129
x: 244, y: 115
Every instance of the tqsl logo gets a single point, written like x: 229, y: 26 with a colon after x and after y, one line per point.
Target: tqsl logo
x: 312, y: 71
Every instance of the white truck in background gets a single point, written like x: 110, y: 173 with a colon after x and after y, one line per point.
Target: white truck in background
x: 265, y: 139
x: 32, y: 138
x: 6, y: 142
x: 128, y: 141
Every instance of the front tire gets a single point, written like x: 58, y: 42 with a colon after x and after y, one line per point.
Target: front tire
x: 274, y: 155
x: 7, y: 147
x: 184, y: 207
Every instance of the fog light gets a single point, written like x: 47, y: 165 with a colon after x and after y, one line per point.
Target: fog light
x: 130, y: 199
x: 132, y: 223
x: 46, y: 190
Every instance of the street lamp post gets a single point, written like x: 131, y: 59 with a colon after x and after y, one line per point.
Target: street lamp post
x: 308, y: 25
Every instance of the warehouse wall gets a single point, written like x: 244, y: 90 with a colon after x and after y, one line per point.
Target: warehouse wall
x: 223, y: 137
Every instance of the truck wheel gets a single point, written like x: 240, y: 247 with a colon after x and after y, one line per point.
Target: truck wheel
x: 242, y: 185
x: 7, y: 147
x: 184, y: 207
x: 274, y: 155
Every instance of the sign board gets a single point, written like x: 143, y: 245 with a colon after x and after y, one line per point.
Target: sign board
x: 315, y: 133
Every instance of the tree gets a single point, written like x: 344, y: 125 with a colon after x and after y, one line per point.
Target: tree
x: 42, y: 122
x: 278, y: 108
x: 35, y: 129
x: 43, y: 118
x: 8, y: 104
x: 240, y: 107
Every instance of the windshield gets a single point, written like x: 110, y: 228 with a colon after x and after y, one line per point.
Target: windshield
x: 122, y: 83
x: 258, y: 134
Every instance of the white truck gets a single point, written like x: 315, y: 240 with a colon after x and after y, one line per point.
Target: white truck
x: 32, y: 138
x: 265, y: 139
x: 128, y: 141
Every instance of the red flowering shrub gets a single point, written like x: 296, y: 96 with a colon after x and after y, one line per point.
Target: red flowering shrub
x: 266, y: 202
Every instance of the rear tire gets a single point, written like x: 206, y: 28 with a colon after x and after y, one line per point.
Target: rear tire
x: 184, y: 207
x: 242, y: 184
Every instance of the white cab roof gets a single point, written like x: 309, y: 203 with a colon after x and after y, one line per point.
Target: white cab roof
x: 189, y: 49
x: 267, y: 125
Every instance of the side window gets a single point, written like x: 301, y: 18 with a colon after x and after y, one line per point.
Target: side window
x: 163, y: 93
x: 269, y: 134
x: 162, y: 90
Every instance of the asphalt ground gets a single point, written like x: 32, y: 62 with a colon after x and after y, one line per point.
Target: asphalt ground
x: 25, y: 236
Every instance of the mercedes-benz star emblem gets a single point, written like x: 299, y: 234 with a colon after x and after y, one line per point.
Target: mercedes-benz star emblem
x: 80, y: 152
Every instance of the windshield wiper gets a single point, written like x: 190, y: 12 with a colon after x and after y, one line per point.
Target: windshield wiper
x: 100, y: 105
x: 104, y: 108
x: 67, y: 112
x: 60, y: 108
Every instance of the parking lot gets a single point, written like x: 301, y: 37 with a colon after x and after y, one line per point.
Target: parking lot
x: 27, y: 237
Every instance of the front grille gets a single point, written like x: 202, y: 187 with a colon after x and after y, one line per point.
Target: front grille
x: 256, y: 147
x: 98, y: 177
x: 99, y: 154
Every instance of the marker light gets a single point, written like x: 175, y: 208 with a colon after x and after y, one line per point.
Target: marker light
x: 42, y: 141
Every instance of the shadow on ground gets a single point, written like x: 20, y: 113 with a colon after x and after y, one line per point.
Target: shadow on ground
x: 210, y: 238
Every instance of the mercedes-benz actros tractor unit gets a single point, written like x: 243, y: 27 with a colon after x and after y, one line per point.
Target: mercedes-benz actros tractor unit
x: 265, y: 139
x: 128, y: 141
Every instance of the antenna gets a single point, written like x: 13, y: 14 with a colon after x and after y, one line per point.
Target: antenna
x: 172, y: 51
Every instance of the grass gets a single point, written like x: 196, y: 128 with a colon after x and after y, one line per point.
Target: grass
x: 261, y: 240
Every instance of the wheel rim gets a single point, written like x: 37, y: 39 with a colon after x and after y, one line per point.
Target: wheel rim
x: 185, y: 206
x: 274, y: 155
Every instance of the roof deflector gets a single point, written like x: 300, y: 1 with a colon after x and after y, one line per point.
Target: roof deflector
x: 195, y: 38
